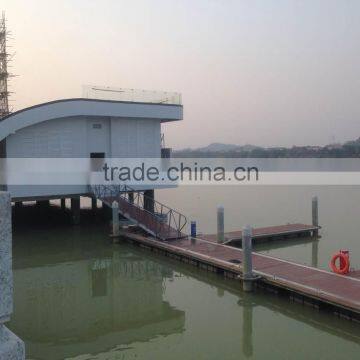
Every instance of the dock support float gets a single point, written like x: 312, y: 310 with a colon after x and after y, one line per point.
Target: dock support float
x: 248, y: 277
x: 315, y: 214
x: 220, y: 224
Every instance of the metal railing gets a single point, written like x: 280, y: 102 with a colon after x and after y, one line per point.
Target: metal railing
x: 131, y: 95
x: 160, y: 220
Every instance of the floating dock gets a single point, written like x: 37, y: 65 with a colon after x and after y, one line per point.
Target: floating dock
x: 319, y: 288
x: 269, y: 233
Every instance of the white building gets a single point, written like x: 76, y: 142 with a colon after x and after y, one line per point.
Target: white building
x: 127, y: 126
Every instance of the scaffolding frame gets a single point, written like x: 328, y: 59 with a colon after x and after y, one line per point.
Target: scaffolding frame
x: 4, y: 75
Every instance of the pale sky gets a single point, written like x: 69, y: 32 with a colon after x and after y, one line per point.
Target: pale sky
x: 270, y: 72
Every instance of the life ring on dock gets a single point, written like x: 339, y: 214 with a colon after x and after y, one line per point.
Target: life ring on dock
x: 344, y: 263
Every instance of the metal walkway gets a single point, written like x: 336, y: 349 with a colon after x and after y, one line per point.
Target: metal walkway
x: 154, y: 217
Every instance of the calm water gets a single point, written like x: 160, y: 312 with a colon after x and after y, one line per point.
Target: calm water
x: 339, y: 215
x: 77, y: 296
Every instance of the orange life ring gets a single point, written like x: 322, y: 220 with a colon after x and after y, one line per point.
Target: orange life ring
x: 344, y: 263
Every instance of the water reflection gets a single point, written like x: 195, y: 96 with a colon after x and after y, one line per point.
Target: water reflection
x: 91, y: 304
x: 327, y: 323
x: 247, y: 304
x: 79, y: 296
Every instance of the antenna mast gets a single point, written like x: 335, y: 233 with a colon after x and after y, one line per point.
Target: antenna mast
x: 4, y: 101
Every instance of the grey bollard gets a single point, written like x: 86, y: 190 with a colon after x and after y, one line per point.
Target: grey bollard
x: 247, y: 258
x: 315, y: 253
x: 315, y: 214
x: 115, y: 219
x: 220, y: 224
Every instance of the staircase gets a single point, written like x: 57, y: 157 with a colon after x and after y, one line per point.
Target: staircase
x: 161, y: 221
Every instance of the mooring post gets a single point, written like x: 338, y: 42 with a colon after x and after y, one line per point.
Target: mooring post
x: 193, y: 229
x: 315, y: 214
x: 247, y: 258
x: 115, y: 219
x: 220, y: 224
x: 314, y: 253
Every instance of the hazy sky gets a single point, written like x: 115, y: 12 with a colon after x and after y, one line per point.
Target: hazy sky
x: 266, y: 72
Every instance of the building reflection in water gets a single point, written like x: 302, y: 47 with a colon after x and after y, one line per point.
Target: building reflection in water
x: 63, y: 309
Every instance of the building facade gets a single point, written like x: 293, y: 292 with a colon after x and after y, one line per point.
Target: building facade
x: 82, y: 128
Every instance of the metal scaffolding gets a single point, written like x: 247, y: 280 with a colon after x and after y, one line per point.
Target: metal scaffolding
x: 4, y: 75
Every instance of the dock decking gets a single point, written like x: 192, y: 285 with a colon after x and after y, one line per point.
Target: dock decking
x: 322, y: 289
x: 267, y: 233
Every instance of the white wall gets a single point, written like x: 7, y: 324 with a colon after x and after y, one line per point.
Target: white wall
x: 86, y: 107
x: 52, y: 138
x: 135, y: 138
x: 77, y: 137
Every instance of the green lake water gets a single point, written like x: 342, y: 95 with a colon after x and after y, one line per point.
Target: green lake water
x: 78, y: 296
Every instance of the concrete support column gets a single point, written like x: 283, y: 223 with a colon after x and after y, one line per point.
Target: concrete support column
x: 131, y: 197
x: 63, y: 204
x: 11, y: 347
x: 75, y: 210
x: 43, y: 204
x: 18, y: 205
x: 107, y: 211
x: 149, y: 196
x: 93, y: 203
x: 115, y: 219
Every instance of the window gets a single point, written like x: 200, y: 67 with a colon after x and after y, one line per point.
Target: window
x: 97, y: 161
x: 97, y: 126
x: 97, y: 155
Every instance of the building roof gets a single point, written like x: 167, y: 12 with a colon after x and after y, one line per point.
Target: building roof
x: 66, y: 108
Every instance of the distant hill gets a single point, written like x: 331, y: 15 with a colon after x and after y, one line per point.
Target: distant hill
x: 350, y: 149
x: 353, y: 142
x: 221, y: 147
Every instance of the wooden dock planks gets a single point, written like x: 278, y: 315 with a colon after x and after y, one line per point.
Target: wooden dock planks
x: 341, y: 292
x: 267, y: 233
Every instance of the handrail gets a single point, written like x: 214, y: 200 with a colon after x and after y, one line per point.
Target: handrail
x: 152, y: 220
